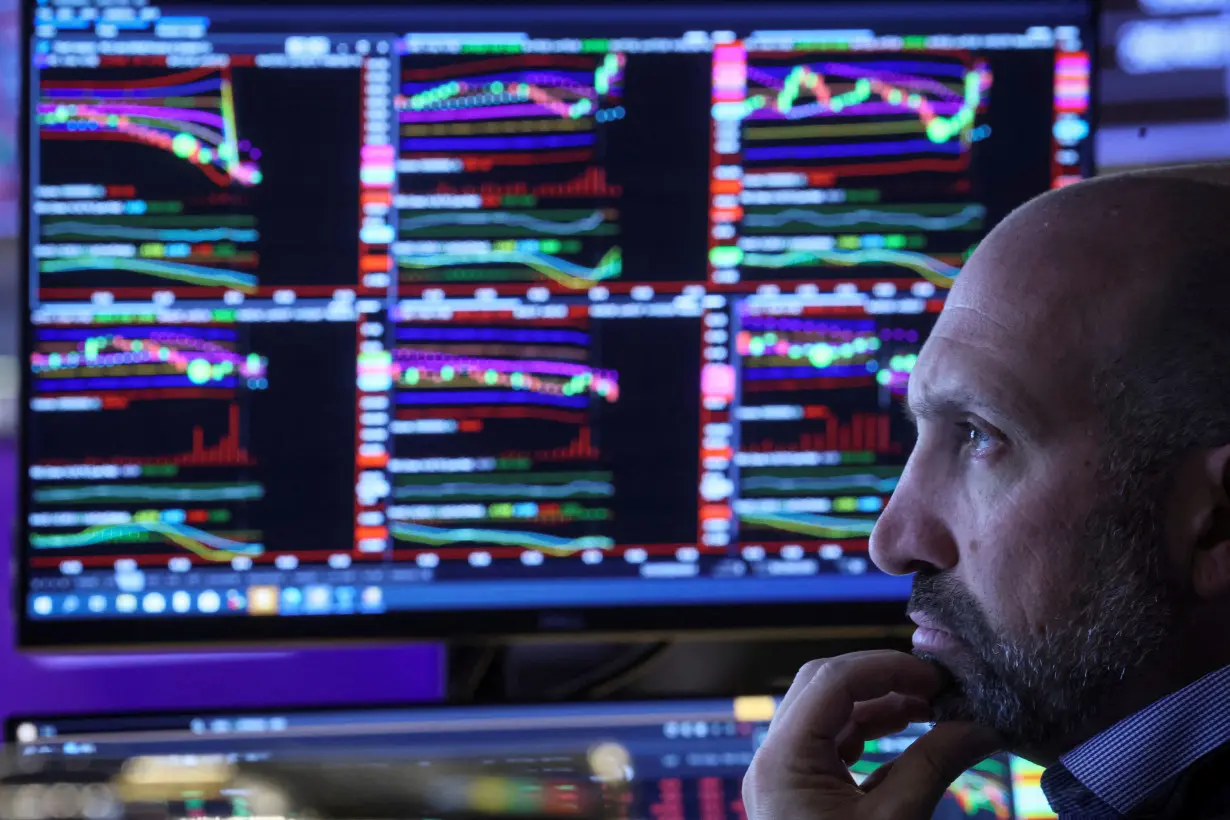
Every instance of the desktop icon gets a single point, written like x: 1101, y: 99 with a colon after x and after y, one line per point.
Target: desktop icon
x: 209, y: 602
x: 263, y: 600
x: 181, y: 602
x: 155, y: 603
x: 319, y: 599
x: 126, y: 602
x: 373, y: 598
x: 292, y: 601
x: 42, y: 605
x: 235, y: 602
x: 345, y: 599
x: 97, y: 603
x: 71, y: 604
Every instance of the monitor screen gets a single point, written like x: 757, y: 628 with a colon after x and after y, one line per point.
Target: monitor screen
x: 492, y: 319
x: 687, y: 757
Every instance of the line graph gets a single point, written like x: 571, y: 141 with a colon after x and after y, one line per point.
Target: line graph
x: 559, y: 269
x: 938, y: 270
x: 883, y: 481
x: 135, y: 358
x: 515, y: 401
x: 821, y: 447
x: 147, y: 441
x: 207, y: 545
x: 571, y: 222
x: 934, y: 97
x: 488, y: 148
x: 812, y: 526
x: 920, y: 217
x: 176, y: 134
x: 176, y: 271
x: 814, y: 121
x: 238, y: 229
x: 188, y: 114
x: 142, y: 493
x: 592, y: 484
x: 539, y: 542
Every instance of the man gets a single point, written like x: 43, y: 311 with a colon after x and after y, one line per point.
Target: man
x: 1066, y: 513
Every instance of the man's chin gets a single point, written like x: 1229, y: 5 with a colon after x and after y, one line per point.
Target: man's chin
x: 951, y: 703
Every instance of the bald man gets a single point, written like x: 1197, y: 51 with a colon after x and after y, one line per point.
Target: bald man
x: 1066, y: 515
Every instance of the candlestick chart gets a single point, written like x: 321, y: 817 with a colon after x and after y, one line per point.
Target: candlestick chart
x: 493, y: 444
x: 157, y: 179
x: 821, y: 445
x: 502, y: 173
x: 146, y: 453
x: 897, y: 134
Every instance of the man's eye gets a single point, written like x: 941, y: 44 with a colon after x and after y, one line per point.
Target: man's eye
x: 975, y: 438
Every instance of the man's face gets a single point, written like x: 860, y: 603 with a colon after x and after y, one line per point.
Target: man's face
x: 1035, y: 542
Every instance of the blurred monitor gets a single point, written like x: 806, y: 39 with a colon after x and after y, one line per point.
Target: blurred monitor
x: 10, y: 73
x: 685, y: 758
x: 383, y: 320
x: 1163, y: 82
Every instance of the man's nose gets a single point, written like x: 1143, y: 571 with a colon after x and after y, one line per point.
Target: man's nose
x: 912, y: 533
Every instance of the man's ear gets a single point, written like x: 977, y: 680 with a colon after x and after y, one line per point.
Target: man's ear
x: 1210, y: 558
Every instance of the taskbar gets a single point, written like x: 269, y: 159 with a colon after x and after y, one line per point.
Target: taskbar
x: 412, y: 588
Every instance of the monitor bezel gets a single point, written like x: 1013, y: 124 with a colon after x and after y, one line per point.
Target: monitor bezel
x: 837, y: 618
x: 12, y: 722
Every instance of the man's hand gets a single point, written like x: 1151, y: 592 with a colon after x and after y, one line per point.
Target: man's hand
x: 833, y: 706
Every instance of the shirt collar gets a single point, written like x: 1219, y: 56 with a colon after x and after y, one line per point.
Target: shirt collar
x: 1121, y: 766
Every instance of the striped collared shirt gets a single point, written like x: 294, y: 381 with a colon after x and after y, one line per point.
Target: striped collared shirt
x: 1112, y: 773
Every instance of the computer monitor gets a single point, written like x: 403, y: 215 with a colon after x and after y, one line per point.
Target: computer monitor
x: 687, y: 756
x: 389, y: 320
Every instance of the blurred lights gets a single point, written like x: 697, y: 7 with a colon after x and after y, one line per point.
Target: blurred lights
x: 1157, y: 46
x: 1183, y: 6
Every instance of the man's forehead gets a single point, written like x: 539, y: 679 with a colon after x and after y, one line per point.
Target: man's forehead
x: 971, y: 373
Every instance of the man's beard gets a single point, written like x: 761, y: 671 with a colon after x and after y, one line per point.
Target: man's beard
x: 1119, y: 608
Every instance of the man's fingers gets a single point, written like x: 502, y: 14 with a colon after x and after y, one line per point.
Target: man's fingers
x: 877, y: 777
x: 874, y: 719
x: 922, y: 773
x: 803, y: 677
x: 824, y: 705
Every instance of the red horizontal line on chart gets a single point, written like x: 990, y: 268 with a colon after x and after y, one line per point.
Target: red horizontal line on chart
x: 119, y: 400
x: 578, y: 317
x: 907, y: 166
x: 151, y: 61
x: 306, y: 291
x: 467, y: 413
x: 932, y: 306
x: 485, y: 162
x: 168, y: 81
x: 774, y: 385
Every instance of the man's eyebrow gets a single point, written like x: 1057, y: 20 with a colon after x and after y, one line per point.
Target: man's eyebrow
x: 941, y: 406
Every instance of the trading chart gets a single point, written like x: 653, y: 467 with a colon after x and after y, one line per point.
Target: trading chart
x: 489, y: 385
x: 116, y: 238
x: 189, y: 194
x: 821, y: 442
x: 857, y: 169
x: 487, y: 122
x: 340, y: 319
x: 178, y: 480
